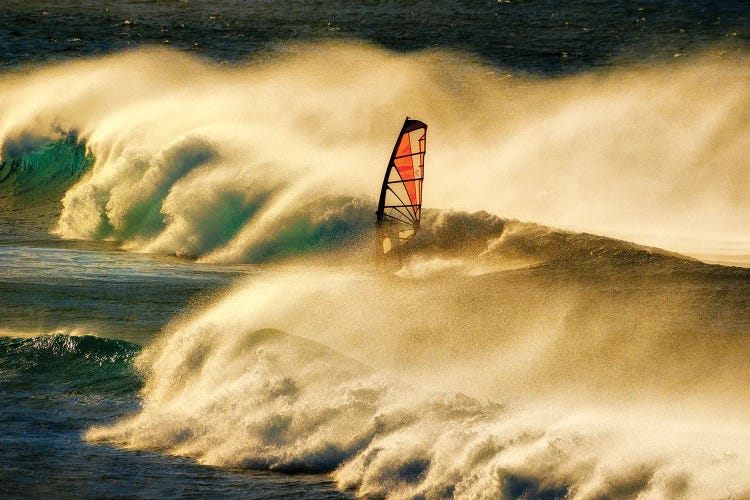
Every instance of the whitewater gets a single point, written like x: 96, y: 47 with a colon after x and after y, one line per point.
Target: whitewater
x: 187, y: 270
x: 249, y: 163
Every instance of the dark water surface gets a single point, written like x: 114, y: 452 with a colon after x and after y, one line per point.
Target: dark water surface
x: 537, y: 36
x: 52, y: 388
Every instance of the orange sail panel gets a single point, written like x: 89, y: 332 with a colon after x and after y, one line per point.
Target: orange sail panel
x: 400, y: 204
x: 405, y: 165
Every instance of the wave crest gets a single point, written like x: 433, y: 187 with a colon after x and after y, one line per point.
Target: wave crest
x: 209, y: 166
x: 228, y: 395
x: 35, y: 166
x: 78, y: 362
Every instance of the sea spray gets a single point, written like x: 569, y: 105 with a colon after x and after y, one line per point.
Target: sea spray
x: 280, y: 145
x: 505, y: 408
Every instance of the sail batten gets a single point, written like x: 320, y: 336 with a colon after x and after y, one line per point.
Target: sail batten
x: 400, y: 204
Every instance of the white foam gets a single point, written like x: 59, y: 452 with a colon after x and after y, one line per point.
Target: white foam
x: 400, y: 407
x: 654, y: 154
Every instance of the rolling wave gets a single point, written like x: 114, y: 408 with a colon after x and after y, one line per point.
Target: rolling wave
x: 68, y: 362
x: 478, y: 243
x: 42, y: 166
x: 493, y: 398
x: 525, y: 360
x: 279, y: 157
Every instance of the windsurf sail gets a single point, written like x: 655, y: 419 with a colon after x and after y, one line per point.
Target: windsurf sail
x: 400, y: 205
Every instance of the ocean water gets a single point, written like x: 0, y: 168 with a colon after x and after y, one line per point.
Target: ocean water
x: 189, y: 301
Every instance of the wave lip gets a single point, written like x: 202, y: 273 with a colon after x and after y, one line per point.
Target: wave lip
x: 264, y: 411
x: 80, y: 363
x: 34, y: 166
x: 241, y: 164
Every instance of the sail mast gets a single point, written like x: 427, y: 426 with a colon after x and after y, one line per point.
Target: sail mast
x: 384, y: 187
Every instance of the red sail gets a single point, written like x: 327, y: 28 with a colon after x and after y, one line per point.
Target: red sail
x: 399, y: 208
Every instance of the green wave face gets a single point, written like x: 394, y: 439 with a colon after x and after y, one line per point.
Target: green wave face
x: 69, y: 364
x: 43, y: 166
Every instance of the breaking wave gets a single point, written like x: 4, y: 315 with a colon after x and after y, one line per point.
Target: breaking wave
x: 280, y: 157
x: 533, y: 390
x: 34, y: 166
x: 523, y: 360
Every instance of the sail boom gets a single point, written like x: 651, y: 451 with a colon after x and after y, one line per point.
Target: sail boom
x: 407, y: 156
x: 409, y: 180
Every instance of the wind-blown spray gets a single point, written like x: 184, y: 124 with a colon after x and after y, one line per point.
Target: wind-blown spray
x: 282, y: 155
x: 579, y: 414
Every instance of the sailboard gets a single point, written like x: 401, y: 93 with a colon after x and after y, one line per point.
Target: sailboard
x: 400, y: 204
